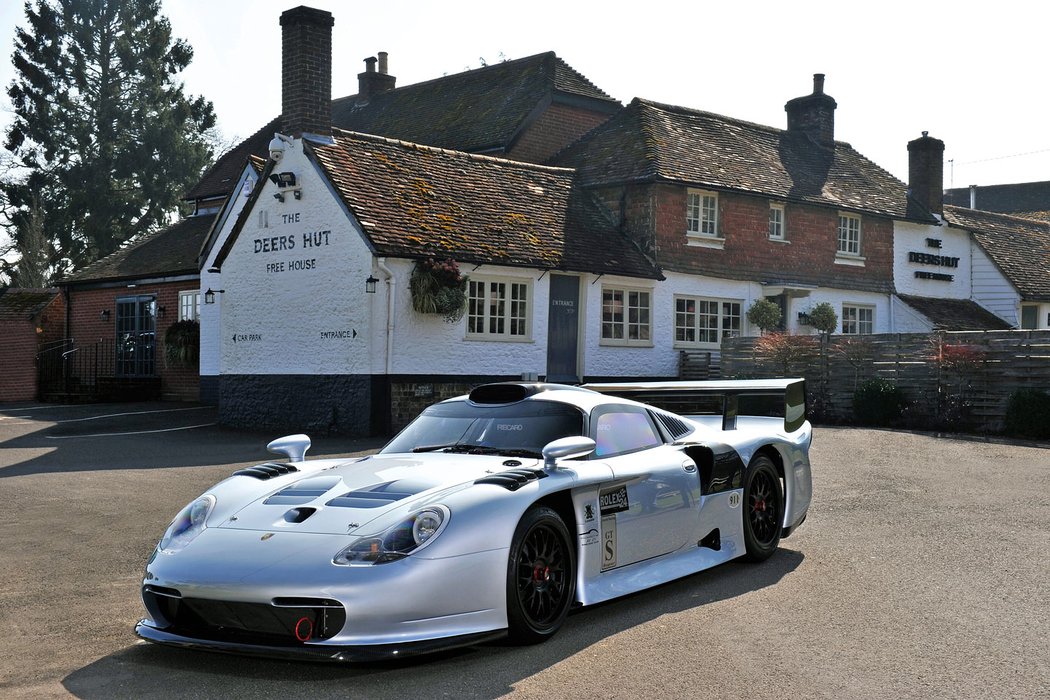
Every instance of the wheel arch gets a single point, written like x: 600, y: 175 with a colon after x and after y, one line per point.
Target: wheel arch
x: 561, y: 503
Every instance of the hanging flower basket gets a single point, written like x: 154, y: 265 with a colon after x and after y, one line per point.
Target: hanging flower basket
x: 438, y: 288
x: 182, y: 344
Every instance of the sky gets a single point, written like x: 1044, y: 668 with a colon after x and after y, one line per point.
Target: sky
x: 971, y: 74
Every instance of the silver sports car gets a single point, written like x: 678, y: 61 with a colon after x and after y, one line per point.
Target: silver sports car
x: 491, y: 514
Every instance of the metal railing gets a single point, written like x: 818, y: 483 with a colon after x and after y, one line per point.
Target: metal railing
x: 66, y: 368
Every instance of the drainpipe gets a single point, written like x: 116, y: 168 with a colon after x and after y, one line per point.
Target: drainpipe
x: 391, y: 282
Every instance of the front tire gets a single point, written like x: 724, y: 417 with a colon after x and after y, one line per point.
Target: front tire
x: 541, y: 576
x: 763, y: 509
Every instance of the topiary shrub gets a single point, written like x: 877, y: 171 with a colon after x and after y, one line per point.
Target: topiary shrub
x: 878, y: 402
x: 823, y: 317
x: 765, y: 314
x: 1028, y: 414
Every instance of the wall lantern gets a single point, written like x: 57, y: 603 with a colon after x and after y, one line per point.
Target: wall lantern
x: 209, y: 296
x: 104, y: 315
x: 160, y: 311
x: 370, y: 285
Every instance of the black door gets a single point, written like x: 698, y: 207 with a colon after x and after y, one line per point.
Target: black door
x: 563, y: 327
x: 136, y: 336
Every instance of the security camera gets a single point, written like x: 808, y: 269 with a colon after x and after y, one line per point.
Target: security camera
x: 277, y: 146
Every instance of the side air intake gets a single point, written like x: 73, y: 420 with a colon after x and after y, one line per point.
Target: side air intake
x: 267, y: 471
x: 512, y: 479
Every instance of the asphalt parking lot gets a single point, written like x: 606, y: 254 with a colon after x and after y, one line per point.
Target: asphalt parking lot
x: 921, y: 572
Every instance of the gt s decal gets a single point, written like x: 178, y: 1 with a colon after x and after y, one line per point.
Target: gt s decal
x: 608, y: 542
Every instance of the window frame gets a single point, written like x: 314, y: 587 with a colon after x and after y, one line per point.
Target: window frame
x: 721, y: 317
x: 196, y: 303
x: 508, y: 316
x: 624, y: 322
x: 701, y: 219
x: 598, y: 412
x: 781, y: 224
x: 843, y: 235
x: 856, y: 322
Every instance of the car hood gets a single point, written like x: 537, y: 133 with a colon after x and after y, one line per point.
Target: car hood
x: 360, y: 497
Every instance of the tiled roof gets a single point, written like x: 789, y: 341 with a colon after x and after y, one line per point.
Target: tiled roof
x: 415, y: 201
x: 649, y: 141
x: 23, y: 303
x: 475, y: 110
x: 1006, y: 199
x: 955, y: 314
x: 225, y: 172
x: 1020, y: 247
x: 169, y: 252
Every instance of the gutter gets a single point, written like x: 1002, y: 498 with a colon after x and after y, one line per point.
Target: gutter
x: 391, y: 282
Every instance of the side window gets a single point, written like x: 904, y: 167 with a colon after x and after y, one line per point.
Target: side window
x: 621, y: 431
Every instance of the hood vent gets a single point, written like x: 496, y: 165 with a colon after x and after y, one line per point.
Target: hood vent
x: 303, y: 491
x: 512, y: 479
x: 374, y: 496
x: 267, y: 471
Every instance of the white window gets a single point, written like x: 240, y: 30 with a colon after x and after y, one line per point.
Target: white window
x: 705, y: 321
x: 776, y: 222
x: 190, y: 305
x: 849, y: 235
x: 626, y: 316
x: 858, y: 320
x: 701, y: 214
x: 498, y: 309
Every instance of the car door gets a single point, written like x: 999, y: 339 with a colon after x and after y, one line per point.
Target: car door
x: 651, y: 505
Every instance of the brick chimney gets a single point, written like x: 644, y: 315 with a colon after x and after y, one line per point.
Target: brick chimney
x: 373, y: 82
x: 306, y: 71
x: 813, y: 114
x: 926, y: 172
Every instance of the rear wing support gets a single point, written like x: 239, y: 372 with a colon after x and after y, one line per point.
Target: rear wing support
x: 732, y: 398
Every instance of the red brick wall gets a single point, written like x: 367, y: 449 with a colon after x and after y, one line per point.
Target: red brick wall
x: 556, y: 128
x: 87, y: 327
x: 22, y: 340
x: 656, y: 215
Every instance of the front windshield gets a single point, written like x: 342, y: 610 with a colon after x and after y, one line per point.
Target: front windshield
x: 521, y: 428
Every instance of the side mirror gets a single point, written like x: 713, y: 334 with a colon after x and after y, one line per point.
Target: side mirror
x: 293, y: 447
x: 565, y: 448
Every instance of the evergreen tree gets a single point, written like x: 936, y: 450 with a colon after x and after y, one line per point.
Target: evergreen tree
x: 105, y: 138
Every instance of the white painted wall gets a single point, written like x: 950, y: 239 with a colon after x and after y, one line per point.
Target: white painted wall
x: 426, y: 344
x: 295, y: 285
x: 210, y: 319
x: 955, y: 243
x: 992, y: 290
x: 907, y: 319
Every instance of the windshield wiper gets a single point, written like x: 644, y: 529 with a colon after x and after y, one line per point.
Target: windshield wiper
x: 461, y: 448
x: 434, y: 448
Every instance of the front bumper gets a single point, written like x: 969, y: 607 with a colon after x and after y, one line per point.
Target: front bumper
x: 318, y: 652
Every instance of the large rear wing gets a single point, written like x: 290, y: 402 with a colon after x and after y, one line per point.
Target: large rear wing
x: 731, y: 398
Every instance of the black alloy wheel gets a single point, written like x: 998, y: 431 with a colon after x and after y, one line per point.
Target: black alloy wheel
x: 541, y: 576
x: 763, y: 509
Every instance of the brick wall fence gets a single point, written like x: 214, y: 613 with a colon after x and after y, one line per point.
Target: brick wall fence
x: 952, y: 380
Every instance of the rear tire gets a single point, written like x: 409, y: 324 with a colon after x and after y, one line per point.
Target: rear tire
x: 541, y: 576
x: 763, y: 509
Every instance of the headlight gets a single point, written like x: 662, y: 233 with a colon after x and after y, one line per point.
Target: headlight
x: 189, y: 523
x: 410, y: 535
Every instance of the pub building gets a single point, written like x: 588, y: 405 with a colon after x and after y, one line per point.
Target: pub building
x: 600, y: 267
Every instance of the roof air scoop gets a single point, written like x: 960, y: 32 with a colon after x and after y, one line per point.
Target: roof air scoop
x: 294, y: 447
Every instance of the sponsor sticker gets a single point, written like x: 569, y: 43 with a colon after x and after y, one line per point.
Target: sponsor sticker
x: 734, y: 499
x: 588, y: 513
x: 613, y: 500
x: 589, y: 538
x: 608, y: 542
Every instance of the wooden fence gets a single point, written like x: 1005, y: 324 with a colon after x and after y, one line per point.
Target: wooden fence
x: 951, y: 380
